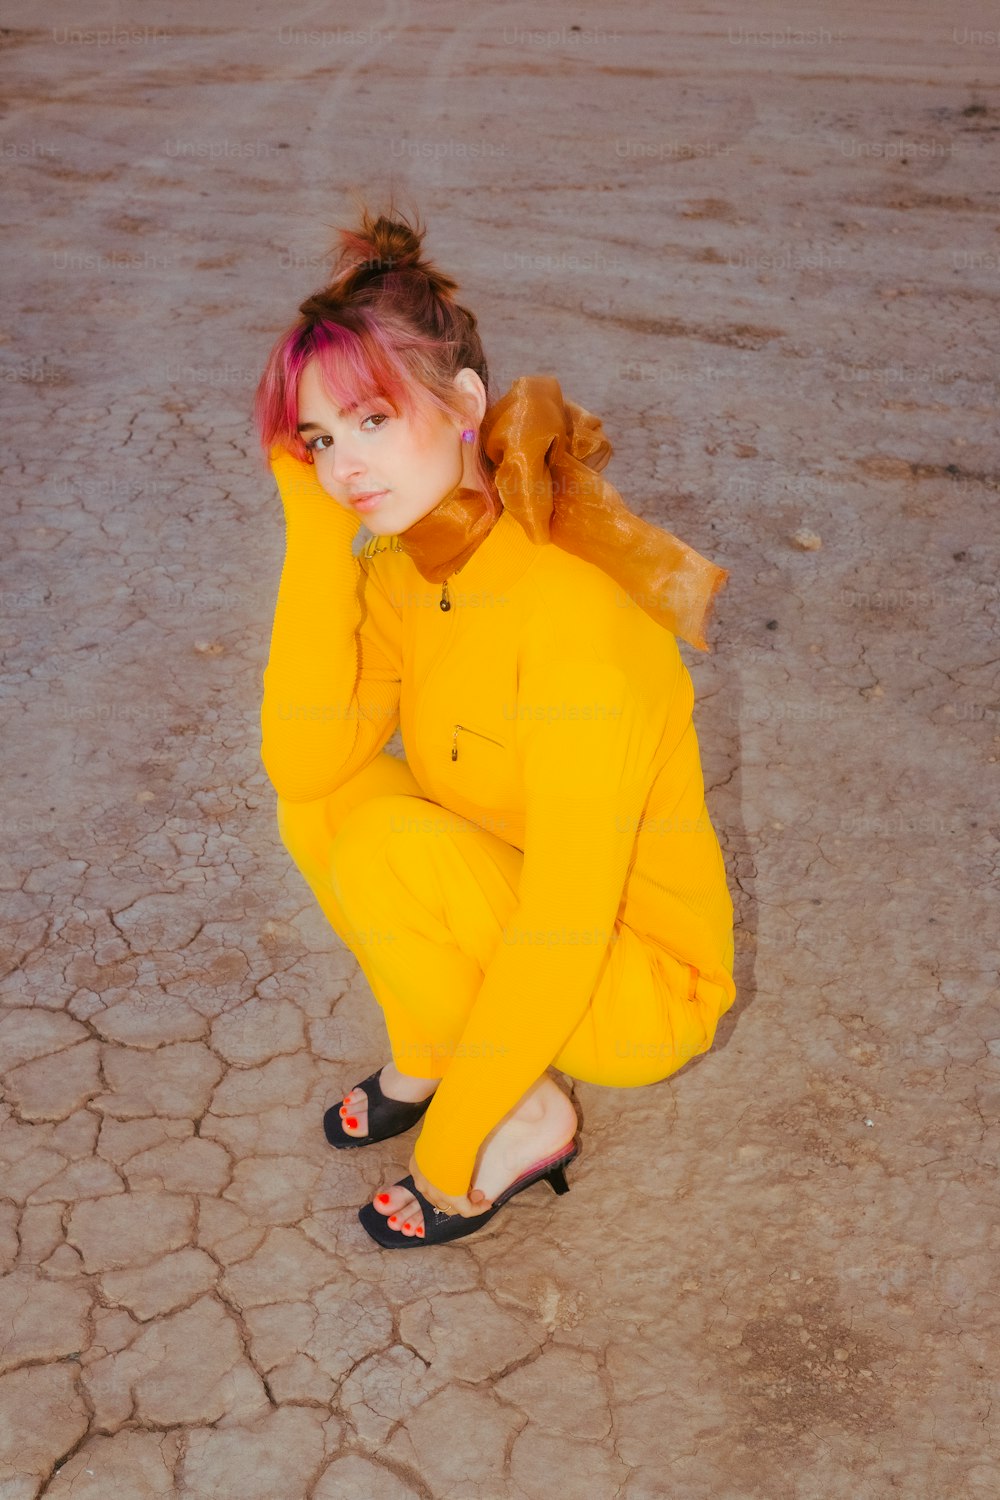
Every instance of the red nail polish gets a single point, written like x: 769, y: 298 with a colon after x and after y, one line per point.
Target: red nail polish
x: 352, y: 1123
x: 420, y: 1229
x: 406, y: 1225
x: 383, y: 1197
x: 392, y: 1218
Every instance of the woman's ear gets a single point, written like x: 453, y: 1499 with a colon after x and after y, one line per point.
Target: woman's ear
x: 473, y: 392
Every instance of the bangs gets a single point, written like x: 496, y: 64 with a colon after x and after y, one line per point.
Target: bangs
x: 354, y: 366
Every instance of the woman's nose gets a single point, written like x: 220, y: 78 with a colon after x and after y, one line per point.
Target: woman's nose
x: 348, y: 467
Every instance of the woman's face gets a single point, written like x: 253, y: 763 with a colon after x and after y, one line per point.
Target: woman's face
x: 371, y: 449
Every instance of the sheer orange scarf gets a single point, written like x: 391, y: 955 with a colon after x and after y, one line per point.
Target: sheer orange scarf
x: 548, y: 452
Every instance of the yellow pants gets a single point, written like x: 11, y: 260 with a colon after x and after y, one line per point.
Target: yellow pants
x: 421, y: 895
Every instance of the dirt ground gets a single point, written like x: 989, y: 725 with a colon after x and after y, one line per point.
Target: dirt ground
x: 763, y: 247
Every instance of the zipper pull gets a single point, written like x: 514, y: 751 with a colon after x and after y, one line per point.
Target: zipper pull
x: 445, y: 602
x: 454, y: 738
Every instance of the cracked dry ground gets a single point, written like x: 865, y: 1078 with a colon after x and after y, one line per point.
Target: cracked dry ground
x: 771, y: 1277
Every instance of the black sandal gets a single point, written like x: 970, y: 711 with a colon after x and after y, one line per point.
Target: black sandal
x: 386, y: 1117
x: 440, y: 1227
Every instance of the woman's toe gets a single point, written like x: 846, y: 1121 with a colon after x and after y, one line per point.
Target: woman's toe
x: 402, y: 1211
x: 411, y: 1219
x: 391, y: 1201
x: 353, y: 1112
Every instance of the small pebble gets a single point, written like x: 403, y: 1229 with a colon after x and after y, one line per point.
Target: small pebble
x: 806, y: 541
x: 868, y: 1122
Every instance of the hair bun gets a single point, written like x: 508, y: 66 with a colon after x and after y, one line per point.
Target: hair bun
x: 385, y: 246
x: 379, y: 246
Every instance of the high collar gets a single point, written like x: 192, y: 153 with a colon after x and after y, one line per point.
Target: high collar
x: 442, y: 541
x: 499, y: 558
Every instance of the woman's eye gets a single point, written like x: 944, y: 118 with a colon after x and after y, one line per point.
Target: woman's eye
x: 322, y: 443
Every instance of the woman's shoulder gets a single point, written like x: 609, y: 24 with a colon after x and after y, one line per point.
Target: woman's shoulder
x: 588, y: 609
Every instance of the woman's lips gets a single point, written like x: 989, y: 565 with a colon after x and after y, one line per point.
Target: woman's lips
x: 368, y: 502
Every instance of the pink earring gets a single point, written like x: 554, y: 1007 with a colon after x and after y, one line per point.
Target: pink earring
x: 468, y: 435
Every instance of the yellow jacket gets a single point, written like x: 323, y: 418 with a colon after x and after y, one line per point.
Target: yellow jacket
x: 544, y: 705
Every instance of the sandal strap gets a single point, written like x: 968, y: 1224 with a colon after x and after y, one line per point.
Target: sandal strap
x: 433, y: 1217
x: 391, y: 1110
x: 373, y: 1089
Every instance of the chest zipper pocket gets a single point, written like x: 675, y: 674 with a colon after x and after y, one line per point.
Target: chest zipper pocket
x: 467, y: 730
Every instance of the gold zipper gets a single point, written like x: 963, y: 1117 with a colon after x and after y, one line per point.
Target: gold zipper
x: 393, y: 544
x: 390, y: 544
x: 454, y: 738
x: 445, y: 600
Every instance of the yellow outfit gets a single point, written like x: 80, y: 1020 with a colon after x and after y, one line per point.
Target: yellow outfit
x: 539, y: 883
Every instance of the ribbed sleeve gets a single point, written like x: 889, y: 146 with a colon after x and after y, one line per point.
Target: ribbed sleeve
x: 587, y: 752
x: 332, y: 681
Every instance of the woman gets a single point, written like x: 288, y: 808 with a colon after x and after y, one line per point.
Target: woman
x: 538, y: 884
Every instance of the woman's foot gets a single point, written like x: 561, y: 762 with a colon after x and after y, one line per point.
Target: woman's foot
x: 544, y: 1121
x: 394, y: 1085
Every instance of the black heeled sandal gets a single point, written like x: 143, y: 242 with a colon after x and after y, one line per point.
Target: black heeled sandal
x: 386, y: 1117
x: 439, y: 1227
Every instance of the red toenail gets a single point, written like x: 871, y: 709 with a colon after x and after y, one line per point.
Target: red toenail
x: 383, y: 1197
x: 406, y: 1225
x: 420, y: 1229
x: 351, y: 1123
x: 392, y: 1218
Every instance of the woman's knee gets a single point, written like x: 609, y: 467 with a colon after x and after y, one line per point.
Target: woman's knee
x: 368, y: 826
x: 317, y: 823
x: 366, y: 858
x: 320, y: 820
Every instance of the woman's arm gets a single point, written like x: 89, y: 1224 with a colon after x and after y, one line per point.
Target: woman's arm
x: 588, y: 753
x: 332, y: 682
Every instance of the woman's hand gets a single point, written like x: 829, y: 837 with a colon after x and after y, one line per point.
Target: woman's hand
x: 475, y: 1202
